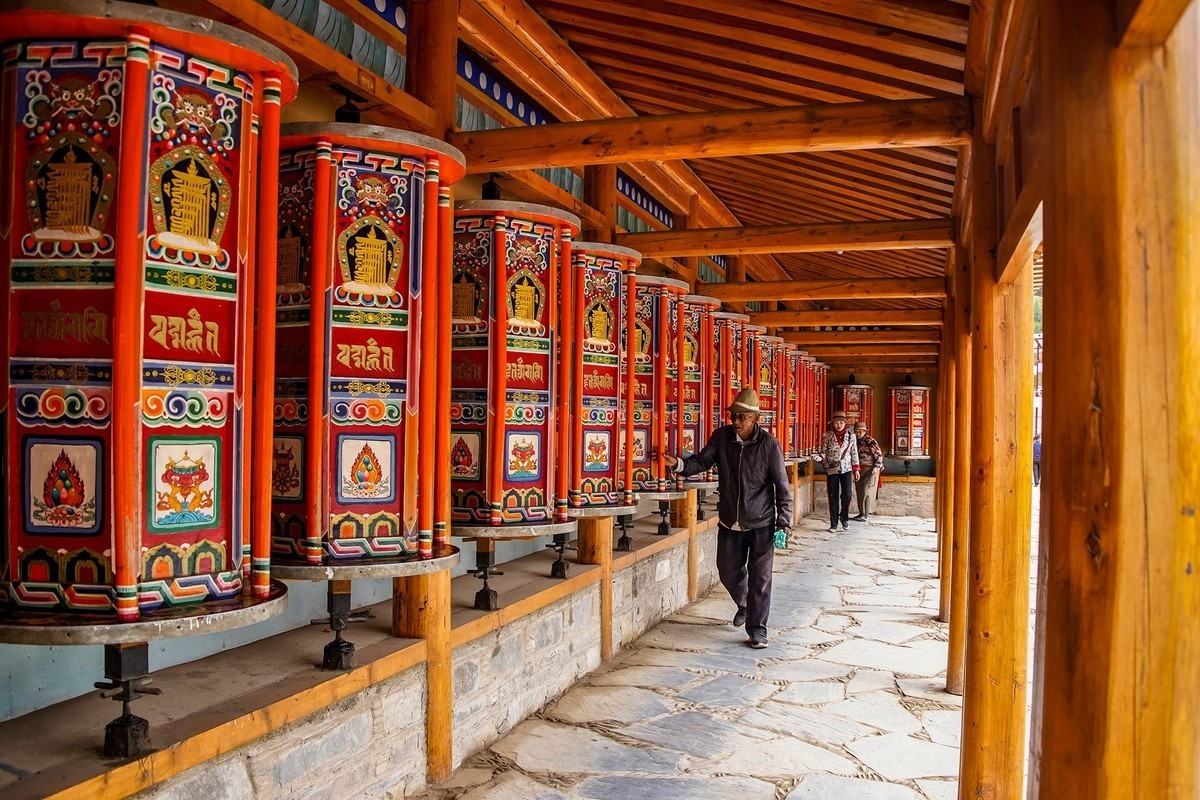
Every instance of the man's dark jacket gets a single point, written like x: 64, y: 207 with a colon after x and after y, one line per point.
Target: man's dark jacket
x: 754, y: 485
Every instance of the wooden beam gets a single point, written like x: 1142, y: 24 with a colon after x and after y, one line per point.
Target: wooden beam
x: 1022, y: 232
x: 994, y: 708
x: 800, y: 319
x: 822, y: 352
x: 859, y: 289
x: 907, y: 234
x: 1148, y: 23
x: 706, y: 134
x: 1122, y: 621
x: 852, y: 361
x: 807, y: 339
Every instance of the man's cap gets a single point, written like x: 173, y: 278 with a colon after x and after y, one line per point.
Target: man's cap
x: 860, y: 424
x: 745, y: 403
x: 838, y: 415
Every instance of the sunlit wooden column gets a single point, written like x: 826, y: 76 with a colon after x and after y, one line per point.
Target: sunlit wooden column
x: 1121, y: 478
x: 961, y: 342
x: 947, y: 435
x: 600, y: 192
x: 683, y: 515
x: 595, y: 547
x: 992, y: 754
x: 422, y: 602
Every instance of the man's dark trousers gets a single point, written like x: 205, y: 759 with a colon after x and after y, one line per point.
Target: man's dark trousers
x: 841, y: 486
x: 744, y: 561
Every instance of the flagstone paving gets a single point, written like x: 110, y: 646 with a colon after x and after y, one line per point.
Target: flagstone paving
x: 846, y: 704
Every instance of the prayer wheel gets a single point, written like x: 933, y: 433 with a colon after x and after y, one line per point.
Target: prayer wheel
x: 793, y: 445
x: 770, y: 381
x: 696, y: 336
x: 657, y: 382
x: 908, y: 416
x: 129, y: 253
x: 602, y: 475
x: 729, y: 350
x: 358, y: 234
x: 856, y: 400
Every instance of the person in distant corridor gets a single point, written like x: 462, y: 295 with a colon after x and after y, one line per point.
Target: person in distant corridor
x: 839, y: 453
x: 870, y: 466
x: 755, y: 501
x: 1037, y: 460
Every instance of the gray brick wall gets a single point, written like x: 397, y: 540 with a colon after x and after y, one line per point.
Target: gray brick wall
x: 648, y: 591
x: 370, y: 745
x: 503, y: 677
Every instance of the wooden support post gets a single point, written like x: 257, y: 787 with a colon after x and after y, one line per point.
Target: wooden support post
x: 1121, y: 481
x: 595, y: 547
x: 600, y: 192
x: 736, y: 274
x: 961, y: 342
x: 431, y: 73
x: 683, y: 515
x: 993, y: 731
x: 948, y: 434
x: 421, y: 610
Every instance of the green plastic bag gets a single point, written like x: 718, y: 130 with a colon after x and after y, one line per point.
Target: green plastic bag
x: 781, y: 539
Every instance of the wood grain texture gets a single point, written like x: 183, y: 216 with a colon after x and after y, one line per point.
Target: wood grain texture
x: 797, y: 319
x: 909, y: 234
x: 961, y: 341
x: 595, y: 547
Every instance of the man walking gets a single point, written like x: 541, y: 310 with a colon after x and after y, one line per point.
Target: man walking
x: 870, y: 466
x: 755, y: 501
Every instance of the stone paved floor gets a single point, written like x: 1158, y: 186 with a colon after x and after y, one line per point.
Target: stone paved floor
x: 846, y: 704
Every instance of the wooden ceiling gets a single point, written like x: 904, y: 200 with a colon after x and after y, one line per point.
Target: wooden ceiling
x: 697, y: 55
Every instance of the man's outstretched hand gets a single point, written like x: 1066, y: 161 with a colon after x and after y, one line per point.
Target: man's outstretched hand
x: 670, y: 459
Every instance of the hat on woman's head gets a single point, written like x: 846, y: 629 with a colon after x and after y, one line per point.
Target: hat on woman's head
x: 745, y: 403
x: 838, y: 415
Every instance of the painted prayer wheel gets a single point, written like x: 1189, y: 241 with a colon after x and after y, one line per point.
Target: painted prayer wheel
x: 729, y: 350
x: 793, y: 446
x: 656, y: 335
x: 810, y: 423
x: 602, y: 475
x: 358, y: 234
x: 856, y: 400
x: 908, y: 416
x: 698, y: 356
x: 769, y: 377
x: 129, y: 252
x: 505, y: 445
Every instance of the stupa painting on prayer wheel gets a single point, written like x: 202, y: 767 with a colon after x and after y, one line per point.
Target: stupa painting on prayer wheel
x: 601, y: 477
x: 656, y: 377
x: 505, y: 445
x: 355, y: 219
x: 126, y: 258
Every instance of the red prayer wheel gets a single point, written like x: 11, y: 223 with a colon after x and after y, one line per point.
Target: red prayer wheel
x: 856, y: 400
x: 769, y: 381
x: 908, y: 415
x: 508, y: 384
x: 793, y: 368
x: 602, y: 475
x: 729, y: 351
x: 130, y: 247
x: 698, y: 358
x: 355, y: 287
x: 657, y: 379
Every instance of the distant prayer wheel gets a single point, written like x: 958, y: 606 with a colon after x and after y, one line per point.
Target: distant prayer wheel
x: 729, y: 351
x: 793, y: 441
x: 358, y: 231
x: 128, y: 257
x: 769, y: 381
x: 856, y: 400
x: 656, y: 336
x: 506, y: 393
x: 601, y: 475
x: 908, y: 416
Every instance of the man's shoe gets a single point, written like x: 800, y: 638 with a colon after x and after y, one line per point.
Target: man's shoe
x: 845, y: 526
x: 758, y: 641
x: 833, y: 528
x: 739, y: 619
x: 859, y: 518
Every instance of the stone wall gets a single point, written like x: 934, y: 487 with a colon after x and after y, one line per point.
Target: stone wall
x: 503, y: 677
x: 367, y: 745
x: 649, y: 590
x: 896, y: 499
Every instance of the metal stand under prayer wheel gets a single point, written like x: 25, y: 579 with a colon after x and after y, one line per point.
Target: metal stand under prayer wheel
x: 355, y: 294
x: 512, y: 330
x: 625, y: 541
x: 657, y: 390
x: 128, y: 421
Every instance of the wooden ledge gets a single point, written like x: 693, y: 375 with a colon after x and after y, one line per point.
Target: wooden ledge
x: 820, y: 477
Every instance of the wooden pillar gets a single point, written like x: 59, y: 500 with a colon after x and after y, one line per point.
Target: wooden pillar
x: 993, y: 730
x: 736, y: 273
x: 595, y: 547
x: 947, y: 435
x: 1121, y: 480
x: 961, y: 342
x: 421, y: 604
x: 600, y: 192
x: 683, y: 515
